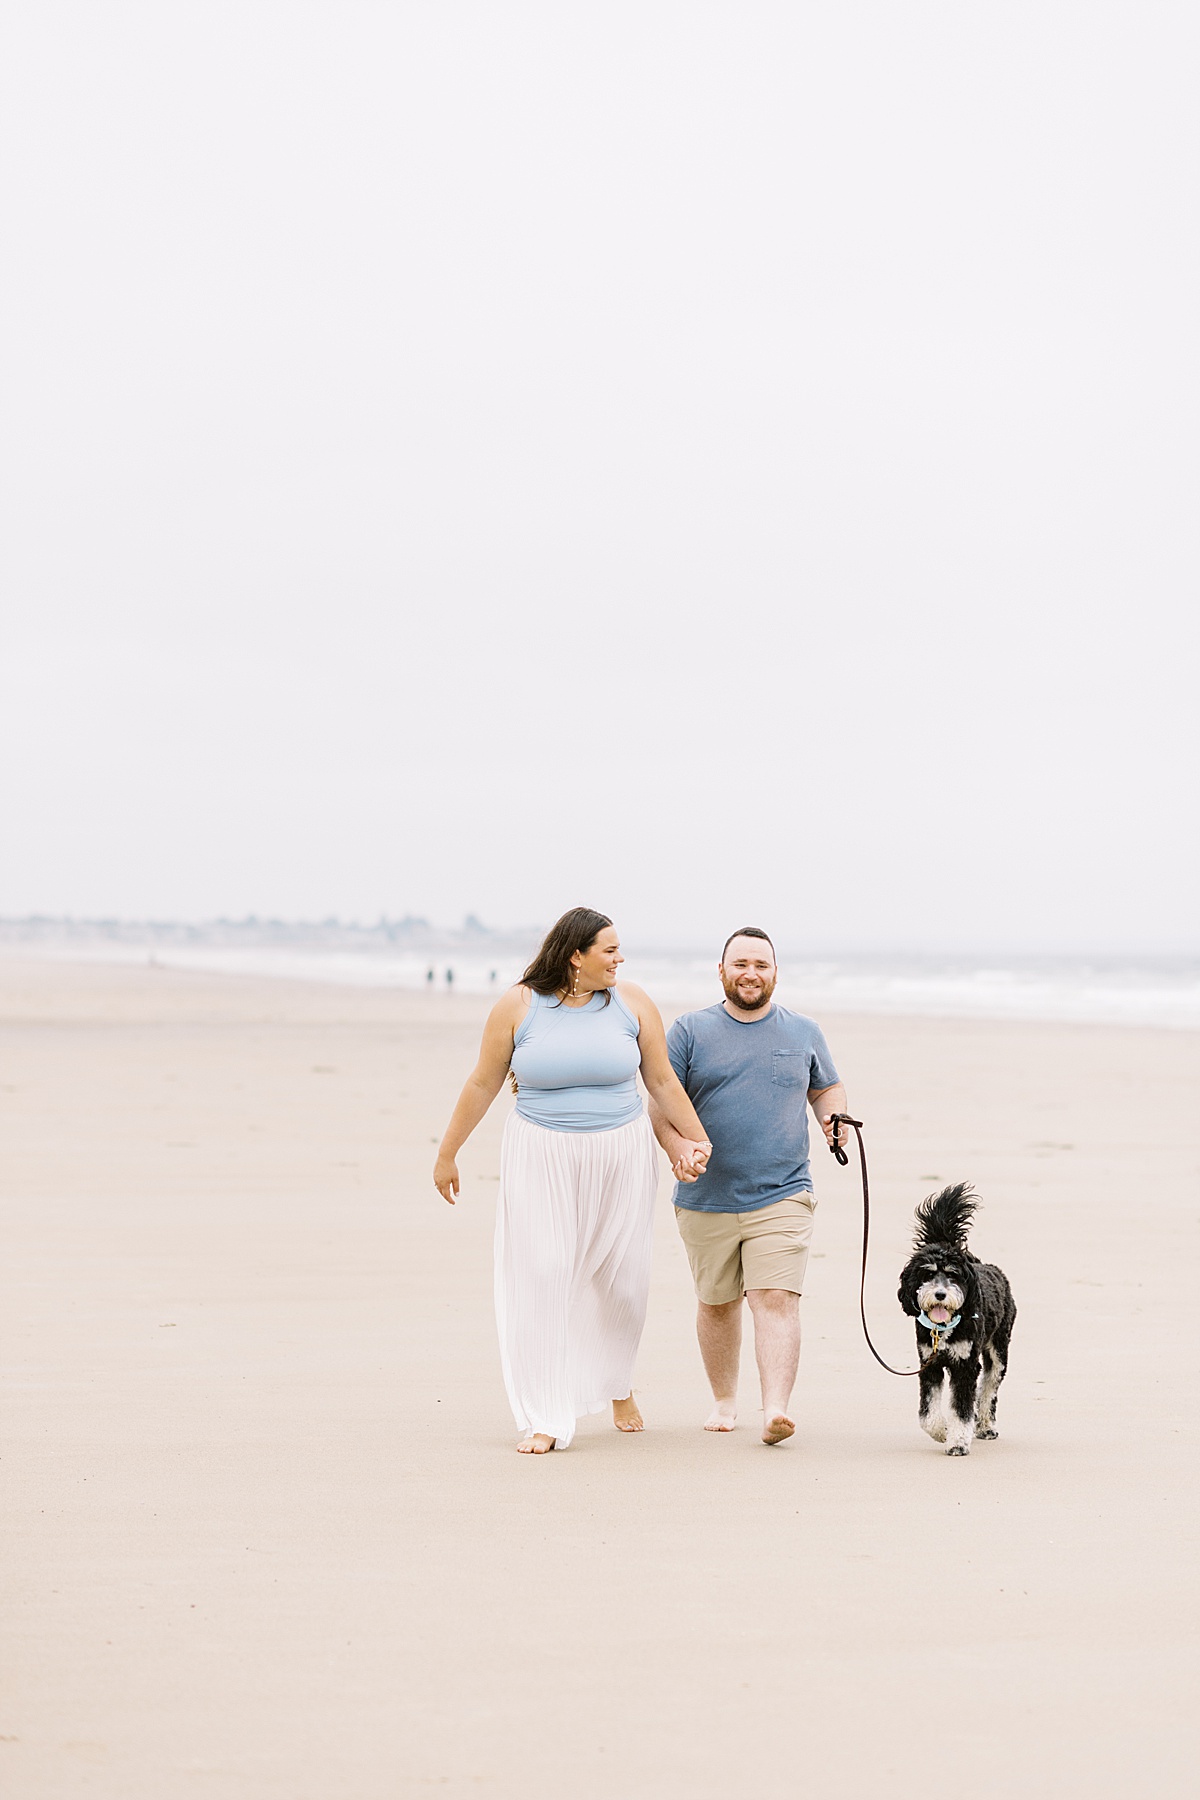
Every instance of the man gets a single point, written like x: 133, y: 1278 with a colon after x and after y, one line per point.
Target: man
x: 749, y: 1067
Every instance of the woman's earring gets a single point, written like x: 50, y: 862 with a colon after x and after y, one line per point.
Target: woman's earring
x: 574, y: 982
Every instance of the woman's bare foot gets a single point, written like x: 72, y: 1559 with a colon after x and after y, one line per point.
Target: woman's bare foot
x: 536, y: 1444
x: 776, y: 1427
x: 723, y: 1416
x: 626, y: 1416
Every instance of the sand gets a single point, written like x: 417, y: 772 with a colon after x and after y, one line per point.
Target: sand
x: 268, y: 1536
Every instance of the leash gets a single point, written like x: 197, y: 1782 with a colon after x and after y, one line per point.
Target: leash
x: 840, y: 1119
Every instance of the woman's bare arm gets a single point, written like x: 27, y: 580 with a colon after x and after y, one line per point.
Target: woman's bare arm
x: 669, y: 1104
x: 679, y: 1151
x: 480, y: 1088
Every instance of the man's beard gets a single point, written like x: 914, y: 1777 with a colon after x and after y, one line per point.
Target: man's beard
x: 761, y: 999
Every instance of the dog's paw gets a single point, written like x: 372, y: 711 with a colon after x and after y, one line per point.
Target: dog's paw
x: 936, y: 1429
x: 986, y: 1432
x: 958, y: 1450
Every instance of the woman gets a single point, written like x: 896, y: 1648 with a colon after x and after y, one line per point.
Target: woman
x: 578, y: 1173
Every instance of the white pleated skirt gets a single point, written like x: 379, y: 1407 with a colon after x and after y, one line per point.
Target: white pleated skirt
x: 574, y: 1225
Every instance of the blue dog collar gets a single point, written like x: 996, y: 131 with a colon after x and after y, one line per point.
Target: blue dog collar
x: 941, y: 1331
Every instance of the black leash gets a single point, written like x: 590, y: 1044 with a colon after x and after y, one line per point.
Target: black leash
x: 840, y: 1119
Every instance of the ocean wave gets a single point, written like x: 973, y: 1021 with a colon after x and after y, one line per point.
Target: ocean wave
x: 1164, y: 992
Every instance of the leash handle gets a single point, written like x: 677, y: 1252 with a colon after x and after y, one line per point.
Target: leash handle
x: 835, y: 1146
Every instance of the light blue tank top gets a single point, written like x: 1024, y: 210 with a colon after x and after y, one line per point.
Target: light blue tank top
x: 576, y: 1066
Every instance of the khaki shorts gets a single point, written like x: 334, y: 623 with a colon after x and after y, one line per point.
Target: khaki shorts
x: 730, y: 1252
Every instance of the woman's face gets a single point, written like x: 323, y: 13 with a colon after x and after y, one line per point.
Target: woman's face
x: 598, y: 964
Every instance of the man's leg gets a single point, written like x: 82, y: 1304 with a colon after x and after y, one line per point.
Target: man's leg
x: 719, y: 1329
x: 774, y: 1258
x: 713, y: 1242
x: 777, y: 1349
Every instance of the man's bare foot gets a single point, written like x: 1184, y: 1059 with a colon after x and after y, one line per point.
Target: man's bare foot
x: 536, y: 1444
x: 626, y: 1416
x: 723, y: 1416
x: 776, y: 1428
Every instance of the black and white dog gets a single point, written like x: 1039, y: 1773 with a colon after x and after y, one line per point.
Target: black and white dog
x: 964, y: 1310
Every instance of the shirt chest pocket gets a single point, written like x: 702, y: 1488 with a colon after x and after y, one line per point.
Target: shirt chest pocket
x: 789, y: 1069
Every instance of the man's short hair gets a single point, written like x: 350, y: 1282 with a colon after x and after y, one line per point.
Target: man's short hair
x: 749, y: 931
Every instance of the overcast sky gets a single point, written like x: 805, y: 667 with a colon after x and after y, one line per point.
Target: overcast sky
x: 709, y: 461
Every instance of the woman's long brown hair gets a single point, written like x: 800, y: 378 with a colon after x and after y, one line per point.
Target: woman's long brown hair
x: 550, y: 970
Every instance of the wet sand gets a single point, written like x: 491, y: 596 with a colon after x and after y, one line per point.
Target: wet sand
x: 268, y: 1536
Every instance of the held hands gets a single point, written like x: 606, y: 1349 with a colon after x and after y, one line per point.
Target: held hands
x: 445, y: 1177
x: 692, y: 1161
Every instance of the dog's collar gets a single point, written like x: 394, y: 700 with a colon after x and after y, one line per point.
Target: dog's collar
x: 940, y: 1332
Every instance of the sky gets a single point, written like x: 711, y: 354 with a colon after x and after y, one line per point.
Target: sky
x: 710, y: 462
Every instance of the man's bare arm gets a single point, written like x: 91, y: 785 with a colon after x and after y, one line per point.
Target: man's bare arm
x: 825, y: 1102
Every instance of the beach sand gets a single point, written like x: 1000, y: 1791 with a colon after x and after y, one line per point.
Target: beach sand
x: 267, y: 1533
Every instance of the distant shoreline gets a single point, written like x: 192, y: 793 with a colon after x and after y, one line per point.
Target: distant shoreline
x: 324, y: 934
x: 1161, y: 991
x: 420, y: 934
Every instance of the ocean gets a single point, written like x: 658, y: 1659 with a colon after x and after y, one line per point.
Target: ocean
x: 1131, y: 991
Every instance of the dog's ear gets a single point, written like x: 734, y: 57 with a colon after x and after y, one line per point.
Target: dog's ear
x: 906, y: 1294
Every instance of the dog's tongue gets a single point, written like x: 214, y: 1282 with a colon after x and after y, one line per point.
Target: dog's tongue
x: 939, y: 1314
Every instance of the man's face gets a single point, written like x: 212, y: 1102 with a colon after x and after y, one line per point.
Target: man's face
x: 748, y: 973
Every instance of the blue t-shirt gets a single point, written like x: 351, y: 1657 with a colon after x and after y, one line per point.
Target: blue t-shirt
x: 749, y: 1082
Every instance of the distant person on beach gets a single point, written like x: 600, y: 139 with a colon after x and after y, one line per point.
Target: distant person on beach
x: 578, y: 1173
x: 746, y: 1220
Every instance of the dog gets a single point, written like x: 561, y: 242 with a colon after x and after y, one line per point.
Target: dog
x: 965, y: 1311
